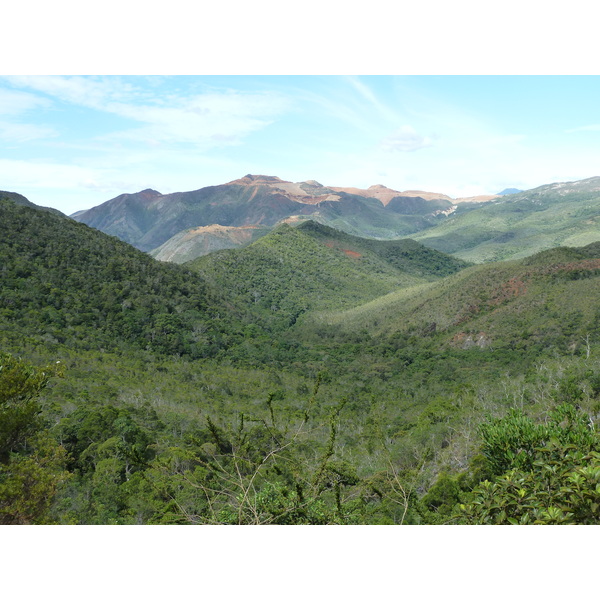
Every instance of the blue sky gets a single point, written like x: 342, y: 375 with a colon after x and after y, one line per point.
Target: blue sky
x: 73, y: 141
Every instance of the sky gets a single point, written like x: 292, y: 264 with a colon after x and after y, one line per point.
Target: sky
x: 73, y: 141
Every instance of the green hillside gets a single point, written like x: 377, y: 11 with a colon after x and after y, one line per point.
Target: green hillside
x: 544, y: 303
x: 367, y: 217
x: 22, y: 201
x: 312, y: 377
x: 293, y: 270
x: 406, y: 255
x: 62, y: 281
x: 518, y: 225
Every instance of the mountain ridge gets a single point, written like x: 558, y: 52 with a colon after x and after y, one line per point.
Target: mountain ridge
x: 518, y: 225
x: 147, y: 219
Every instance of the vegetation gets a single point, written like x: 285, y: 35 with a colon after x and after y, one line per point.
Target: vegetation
x: 32, y: 463
x: 519, y: 225
x: 63, y: 282
x: 294, y: 270
x: 310, y: 378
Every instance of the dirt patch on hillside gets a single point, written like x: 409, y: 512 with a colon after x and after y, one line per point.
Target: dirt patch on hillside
x: 385, y: 195
x: 513, y: 288
x: 350, y: 253
x: 483, y: 198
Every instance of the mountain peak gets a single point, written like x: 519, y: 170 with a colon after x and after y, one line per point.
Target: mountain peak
x: 253, y: 179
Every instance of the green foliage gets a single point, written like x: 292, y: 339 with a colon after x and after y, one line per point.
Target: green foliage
x: 513, y: 441
x: 443, y: 495
x: 521, y: 224
x: 64, y: 281
x: 256, y: 474
x: 20, y: 386
x: 562, y: 488
x: 29, y: 482
x: 544, y: 473
x: 31, y: 462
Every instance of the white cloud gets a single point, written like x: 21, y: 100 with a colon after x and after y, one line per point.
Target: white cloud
x: 92, y: 92
x: 13, y: 102
x: 406, y: 139
x: 14, y: 105
x: 366, y: 92
x: 208, y: 120
x: 18, y: 174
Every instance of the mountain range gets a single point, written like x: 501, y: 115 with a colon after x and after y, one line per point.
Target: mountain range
x: 182, y: 226
x: 148, y: 219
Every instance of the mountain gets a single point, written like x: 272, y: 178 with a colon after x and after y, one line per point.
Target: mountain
x: 518, y: 225
x: 508, y: 191
x: 293, y: 270
x: 127, y: 216
x: 148, y: 219
x: 64, y: 282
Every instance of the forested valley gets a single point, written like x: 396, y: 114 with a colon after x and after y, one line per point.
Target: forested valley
x: 312, y: 377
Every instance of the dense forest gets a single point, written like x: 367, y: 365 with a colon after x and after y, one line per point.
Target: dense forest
x: 313, y: 377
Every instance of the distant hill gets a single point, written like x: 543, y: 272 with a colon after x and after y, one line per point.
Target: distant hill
x: 148, y: 219
x: 508, y: 191
x: 310, y: 267
x: 518, y: 225
x: 198, y: 241
x: 547, y: 300
x: 181, y: 226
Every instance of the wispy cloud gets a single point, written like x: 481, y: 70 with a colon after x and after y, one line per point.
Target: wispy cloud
x: 212, y: 119
x: 14, y: 108
x: 207, y: 120
x: 13, y: 102
x: 92, y: 92
x: 367, y: 93
x: 406, y: 139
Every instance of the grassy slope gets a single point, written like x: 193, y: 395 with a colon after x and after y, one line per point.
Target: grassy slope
x: 521, y: 225
x: 544, y: 299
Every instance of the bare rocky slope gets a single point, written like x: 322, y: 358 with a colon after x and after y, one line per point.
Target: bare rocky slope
x: 148, y: 219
